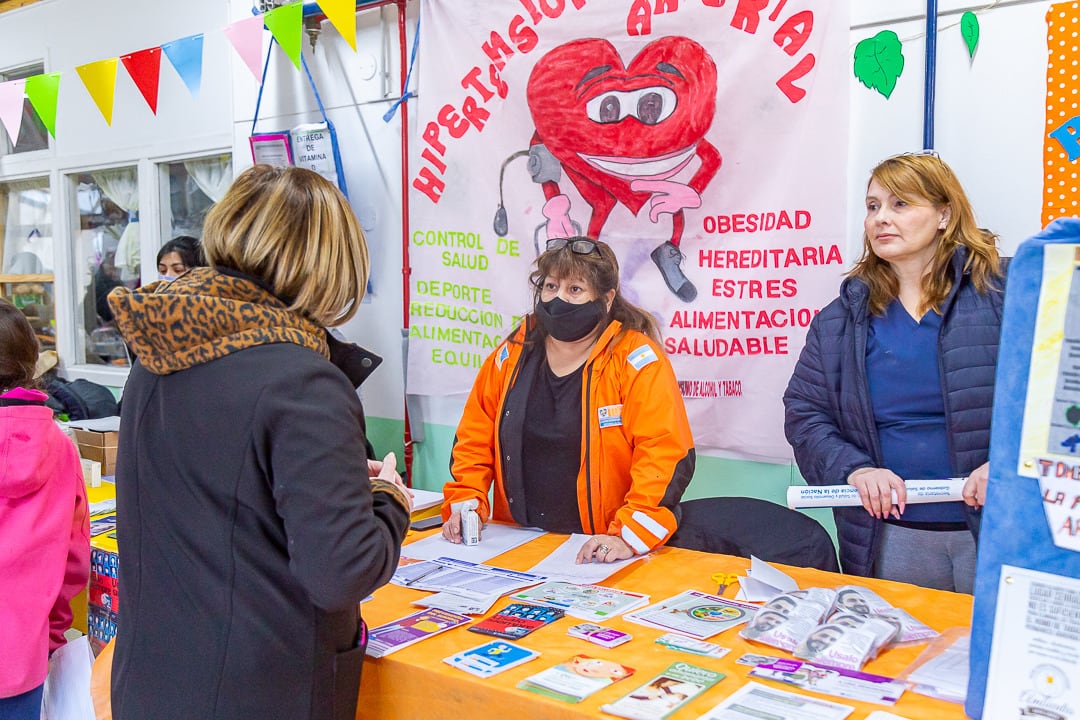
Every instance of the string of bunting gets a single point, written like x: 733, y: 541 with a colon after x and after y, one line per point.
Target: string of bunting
x: 185, y: 56
x: 879, y: 60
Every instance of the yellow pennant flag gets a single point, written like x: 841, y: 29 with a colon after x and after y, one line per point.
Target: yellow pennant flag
x: 342, y: 14
x: 100, y: 81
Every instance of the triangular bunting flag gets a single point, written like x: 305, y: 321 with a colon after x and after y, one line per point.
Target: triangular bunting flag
x: 185, y: 55
x: 100, y: 81
x: 287, y: 25
x: 246, y: 38
x: 43, y: 90
x: 342, y: 14
x: 144, y: 67
x: 12, y: 94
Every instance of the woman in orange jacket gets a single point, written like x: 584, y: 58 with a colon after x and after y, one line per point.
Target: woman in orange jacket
x: 577, y: 419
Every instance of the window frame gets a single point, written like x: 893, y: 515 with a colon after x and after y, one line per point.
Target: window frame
x: 64, y: 209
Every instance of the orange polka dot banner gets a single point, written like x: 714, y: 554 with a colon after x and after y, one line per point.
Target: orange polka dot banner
x: 1061, y: 151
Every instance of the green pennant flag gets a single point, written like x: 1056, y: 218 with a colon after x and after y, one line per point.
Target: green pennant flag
x: 42, y: 91
x: 286, y: 23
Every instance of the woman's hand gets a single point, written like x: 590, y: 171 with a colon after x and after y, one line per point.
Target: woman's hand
x: 603, y: 548
x: 974, y: 492
x: 876, y: 486
x: 451, y: 529
x: 386, y: 469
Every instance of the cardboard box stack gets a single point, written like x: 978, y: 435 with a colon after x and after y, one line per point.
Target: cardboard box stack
x: 99, y: 446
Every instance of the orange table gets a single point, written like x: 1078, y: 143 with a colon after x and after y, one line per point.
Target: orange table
x: 414, y: 682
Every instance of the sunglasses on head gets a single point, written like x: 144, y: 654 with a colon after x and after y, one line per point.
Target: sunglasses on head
x: 915, y: 153
x: 581, y: 246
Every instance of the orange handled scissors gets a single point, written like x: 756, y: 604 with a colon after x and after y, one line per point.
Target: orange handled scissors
x: 723, y: 580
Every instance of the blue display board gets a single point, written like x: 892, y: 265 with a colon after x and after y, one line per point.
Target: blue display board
x: 1025, y: 637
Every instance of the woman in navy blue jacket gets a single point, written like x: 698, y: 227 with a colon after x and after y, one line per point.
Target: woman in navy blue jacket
x: 896, y: 379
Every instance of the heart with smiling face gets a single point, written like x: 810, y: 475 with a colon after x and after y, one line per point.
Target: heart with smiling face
x: 610, y: 124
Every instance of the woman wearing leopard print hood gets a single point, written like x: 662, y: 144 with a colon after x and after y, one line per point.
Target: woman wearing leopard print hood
x: 248, y: 528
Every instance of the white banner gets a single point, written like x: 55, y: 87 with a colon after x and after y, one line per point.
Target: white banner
x: 704, y: 140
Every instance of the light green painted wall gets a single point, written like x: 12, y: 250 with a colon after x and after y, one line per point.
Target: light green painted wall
x: 713, y: 477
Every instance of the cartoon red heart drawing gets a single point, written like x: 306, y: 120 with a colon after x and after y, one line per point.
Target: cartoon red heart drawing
x: 621, y: 132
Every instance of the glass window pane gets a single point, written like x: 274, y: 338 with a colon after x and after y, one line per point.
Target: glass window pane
x: 26, y: 254
x: 32, y: 132
x: 106, y: 254
x: 193, y: 187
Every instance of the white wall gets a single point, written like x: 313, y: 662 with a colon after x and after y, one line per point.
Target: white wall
x: 989, y: 123
x: 66, y: 33
x: 989, y: 112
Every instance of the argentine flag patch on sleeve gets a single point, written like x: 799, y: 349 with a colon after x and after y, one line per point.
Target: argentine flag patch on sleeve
x: 504, y: 352
x: 641, y: 357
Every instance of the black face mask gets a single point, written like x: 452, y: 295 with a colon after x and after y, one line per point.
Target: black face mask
x: 569, y: 322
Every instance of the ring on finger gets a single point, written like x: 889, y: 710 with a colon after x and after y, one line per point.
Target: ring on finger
x: 604, y: 549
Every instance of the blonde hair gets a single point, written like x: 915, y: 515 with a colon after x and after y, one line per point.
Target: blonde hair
x: 295, y: 231
x: 927, y: 180
x: 600, y: 270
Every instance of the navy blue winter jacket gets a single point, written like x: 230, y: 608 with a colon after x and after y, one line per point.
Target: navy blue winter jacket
x: 829, y: 420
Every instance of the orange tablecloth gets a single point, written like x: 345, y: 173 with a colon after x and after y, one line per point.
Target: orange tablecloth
x: 414, y: 682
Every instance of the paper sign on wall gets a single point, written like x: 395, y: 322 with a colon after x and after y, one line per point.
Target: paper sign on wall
x: 1035, y: 659
x: 271, y: 149
x: 313, y: 148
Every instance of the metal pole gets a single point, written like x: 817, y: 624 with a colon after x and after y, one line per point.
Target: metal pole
x: 931, y: 72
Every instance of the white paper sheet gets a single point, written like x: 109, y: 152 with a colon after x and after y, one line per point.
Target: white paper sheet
x: 495, y: 540
x: 424, y: 499
x: 754, y: 700
x: 561, y: 564
x: 763, y: 582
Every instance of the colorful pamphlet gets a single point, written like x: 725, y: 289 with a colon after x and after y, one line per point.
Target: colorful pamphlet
x: 588, y: 602
x: 101, y: 525
x: 833, y: 681
x: 517, y: 620
x: 410, y: 629
x: 754, y: 700
x: 665, y: 693
x: 753, y: 659
x: 602, y: 636
x: 576, y: 679
x: 675, y: 641
x: 491, y: 658
x: 696, y: 614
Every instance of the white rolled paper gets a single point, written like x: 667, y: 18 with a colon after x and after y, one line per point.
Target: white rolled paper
x: 918, y: 491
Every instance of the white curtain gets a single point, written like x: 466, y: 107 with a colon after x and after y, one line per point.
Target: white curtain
x: 28, y: 246
x: 121, y: 185
x: 213, y: 175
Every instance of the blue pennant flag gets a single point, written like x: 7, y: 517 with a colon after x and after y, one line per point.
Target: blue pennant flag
x: 185, y: 55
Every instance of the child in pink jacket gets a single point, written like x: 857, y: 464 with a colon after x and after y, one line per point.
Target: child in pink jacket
x: 44, y: 524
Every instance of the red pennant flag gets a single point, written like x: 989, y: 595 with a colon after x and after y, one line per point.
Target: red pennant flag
x: 144, y: 68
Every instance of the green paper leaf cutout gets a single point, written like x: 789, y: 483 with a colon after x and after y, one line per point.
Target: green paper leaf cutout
x: 286, y: 22
x: 969, y: 28
x: 42, y: 91
x: 879, y: 61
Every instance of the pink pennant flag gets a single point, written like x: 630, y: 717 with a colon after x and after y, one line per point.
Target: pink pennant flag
x: 246, y: 38
x: 12, y: 95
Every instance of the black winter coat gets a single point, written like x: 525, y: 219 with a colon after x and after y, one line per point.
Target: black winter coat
x: 248, y: 528
x: 829, y: 420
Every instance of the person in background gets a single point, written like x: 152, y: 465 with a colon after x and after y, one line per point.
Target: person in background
x: 248, y: 526
x: 577, y: 419
x: 45, y: 523
x: 896, y: 380
x: 177, y: 256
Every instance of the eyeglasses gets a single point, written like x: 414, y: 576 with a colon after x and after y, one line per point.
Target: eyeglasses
x: 581, y: 246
